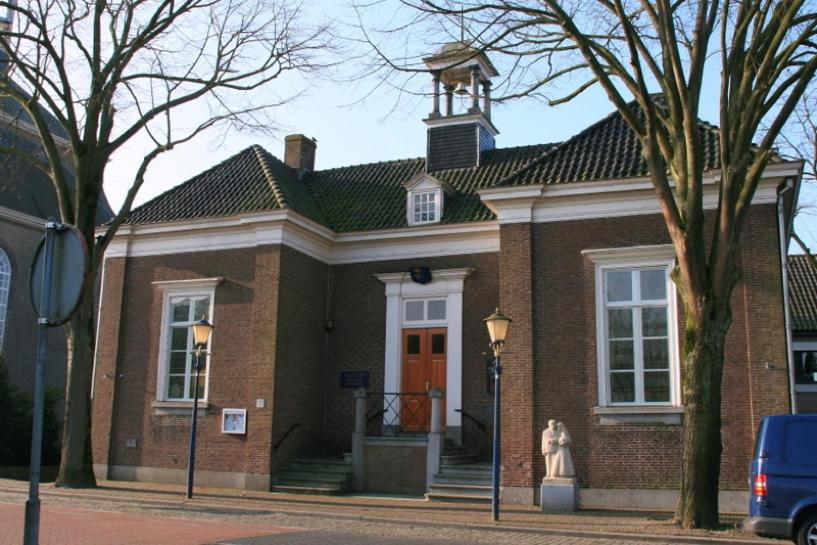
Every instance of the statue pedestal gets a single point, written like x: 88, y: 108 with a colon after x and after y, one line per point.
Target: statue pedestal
x: 559, y: 494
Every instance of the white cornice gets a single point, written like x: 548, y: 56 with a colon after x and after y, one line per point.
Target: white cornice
x: 195, y: 283
x: 608, y: 198
x: 540, y: 203
x: 294, y: 230
x: 462, y: 119
x: 21, y: 218
x: 608, y: 255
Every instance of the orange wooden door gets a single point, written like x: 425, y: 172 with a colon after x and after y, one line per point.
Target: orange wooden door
x: 424, y: 368
x: 437, y: 350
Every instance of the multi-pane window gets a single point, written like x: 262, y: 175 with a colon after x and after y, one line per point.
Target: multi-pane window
x: 180, y: 370
x: 424, y: 207
x: 637, y: 317
x: 430, y: 310
x: 5, y: 285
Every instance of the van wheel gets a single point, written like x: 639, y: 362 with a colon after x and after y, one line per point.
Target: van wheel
x: 807, y: 532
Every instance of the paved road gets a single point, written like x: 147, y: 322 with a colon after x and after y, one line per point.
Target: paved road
x: 68, y: 522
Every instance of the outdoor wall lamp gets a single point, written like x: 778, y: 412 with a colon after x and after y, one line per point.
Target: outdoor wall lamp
x: 497, y: 324
x: 201, y: 336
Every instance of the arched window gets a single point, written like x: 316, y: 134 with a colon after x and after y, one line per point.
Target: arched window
x: 5, y: 285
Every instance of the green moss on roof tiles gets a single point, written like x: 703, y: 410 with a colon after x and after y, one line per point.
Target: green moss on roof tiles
x: 371, y: 196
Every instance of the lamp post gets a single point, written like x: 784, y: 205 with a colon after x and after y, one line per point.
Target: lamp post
x: 497, y: 324
x: 201, y: 335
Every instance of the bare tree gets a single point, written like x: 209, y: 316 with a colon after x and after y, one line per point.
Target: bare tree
x: 799, y: 139
x: 652, y: 59
x: 92, y: 76
x: 799, y: 136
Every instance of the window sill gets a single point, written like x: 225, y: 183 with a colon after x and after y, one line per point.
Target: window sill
x: 645, y: 414
x: 805, y: 387
x: 163, y: 408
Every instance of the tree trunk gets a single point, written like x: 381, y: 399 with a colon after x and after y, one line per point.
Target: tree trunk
x: 76, y: 469
x: 701, y: 378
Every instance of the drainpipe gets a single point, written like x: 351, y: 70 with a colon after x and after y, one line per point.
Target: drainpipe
x: 784, y: 269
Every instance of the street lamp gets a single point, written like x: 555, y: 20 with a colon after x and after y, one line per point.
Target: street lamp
x: 201, y: 335
x: 497, y: 324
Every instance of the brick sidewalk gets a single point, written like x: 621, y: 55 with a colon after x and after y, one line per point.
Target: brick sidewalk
x: 63, y: 526
x: 211, y: 502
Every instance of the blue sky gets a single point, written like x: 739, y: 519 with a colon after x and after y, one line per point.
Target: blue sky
x: 351, y: 132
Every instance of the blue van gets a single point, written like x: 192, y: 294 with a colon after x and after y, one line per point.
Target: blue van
x: 783, y: 479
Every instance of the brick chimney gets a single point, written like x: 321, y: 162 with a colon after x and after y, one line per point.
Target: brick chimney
x: 299, y: 152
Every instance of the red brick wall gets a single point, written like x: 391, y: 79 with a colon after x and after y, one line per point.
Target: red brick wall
x: 243, y: 349
x: 357, y: 342
x: 107, y: 357
x: 516, y: 275
x: 299, y: 365
x: 564, y: 347
x: 382, y: 460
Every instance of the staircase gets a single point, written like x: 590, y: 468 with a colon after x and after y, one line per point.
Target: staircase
x: 323, y: 476
x: 461, y: 477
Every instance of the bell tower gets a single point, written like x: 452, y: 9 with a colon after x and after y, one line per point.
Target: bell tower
x: 458, y: 139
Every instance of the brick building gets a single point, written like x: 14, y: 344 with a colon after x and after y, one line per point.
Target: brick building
x: 317, y: 283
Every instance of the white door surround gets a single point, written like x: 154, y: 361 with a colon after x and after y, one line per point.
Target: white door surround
x: 445, y: 284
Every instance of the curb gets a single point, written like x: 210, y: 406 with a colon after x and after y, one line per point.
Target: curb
x: 564, y: 532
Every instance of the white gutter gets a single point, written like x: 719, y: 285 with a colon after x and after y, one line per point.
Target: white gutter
x: 784, y: 270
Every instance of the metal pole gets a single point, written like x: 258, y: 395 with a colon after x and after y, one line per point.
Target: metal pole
x: 191, y: 461
x: 497, y: 439
x: 31, y: 534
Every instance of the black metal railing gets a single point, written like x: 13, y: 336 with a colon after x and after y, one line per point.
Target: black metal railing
x: 396, y: 414
x: 470, y: 418
x: 287, y: 434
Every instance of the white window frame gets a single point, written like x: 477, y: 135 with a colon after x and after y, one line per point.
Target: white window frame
x: 629, y: 259
x: 803, y: 346
x: 425, y: 188
x: 5, y: 270
x: 425, y: 321
x: 205, y: 287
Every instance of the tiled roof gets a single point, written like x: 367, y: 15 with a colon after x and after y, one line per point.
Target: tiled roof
x: 250, y: 181
x: 803, y: 293
x: 372, y: 196
x: 606, y: 150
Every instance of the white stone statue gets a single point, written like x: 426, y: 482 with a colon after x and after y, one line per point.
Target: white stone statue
x: 550, y: 444
x: 556, y: 450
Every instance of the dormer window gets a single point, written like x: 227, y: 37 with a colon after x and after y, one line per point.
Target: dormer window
x: 425, y: 207
x: 425, y: 198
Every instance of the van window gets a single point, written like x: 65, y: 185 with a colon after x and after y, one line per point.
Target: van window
x: 758, y: 437
x: 801, y: 443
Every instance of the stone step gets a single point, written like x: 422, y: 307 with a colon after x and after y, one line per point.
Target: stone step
x: 291, y: 474
x: 480, y: 480
x: 322, y: 461
x: 305, y: 489
x: 324, y: 476
x: 338, y: 469
x: 459, y: 493
x: 457, y: 459
x: 466, y: 471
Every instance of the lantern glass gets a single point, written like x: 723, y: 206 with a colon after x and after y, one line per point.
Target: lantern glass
x: 201, y: 332
x: 497, y: 324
